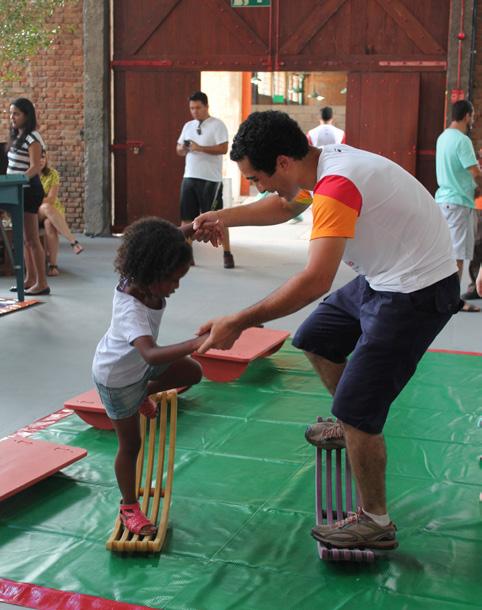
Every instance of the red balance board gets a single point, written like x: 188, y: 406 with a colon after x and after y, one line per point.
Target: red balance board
x: 227, y: 365
x: 24, y: 462
x: 89, y: 407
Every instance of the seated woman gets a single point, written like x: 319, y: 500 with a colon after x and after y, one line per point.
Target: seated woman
x: 51, y: 213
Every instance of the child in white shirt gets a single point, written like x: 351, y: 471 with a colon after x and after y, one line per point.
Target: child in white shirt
x: 128, y: 364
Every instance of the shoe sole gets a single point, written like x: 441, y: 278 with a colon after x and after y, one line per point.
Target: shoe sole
x: 328, y: 444
x: 387, y: 545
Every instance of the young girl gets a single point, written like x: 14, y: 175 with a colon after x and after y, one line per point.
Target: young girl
x: 25, y: 146
x: 51, y: 212
x: 128, y: 364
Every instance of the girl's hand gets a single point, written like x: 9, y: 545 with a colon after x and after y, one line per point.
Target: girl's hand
x: 199, y: 341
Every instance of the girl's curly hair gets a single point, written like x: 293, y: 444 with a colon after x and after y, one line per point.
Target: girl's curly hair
x: 151, y: 250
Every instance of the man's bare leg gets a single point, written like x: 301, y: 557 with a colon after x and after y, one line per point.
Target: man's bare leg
x: 467, y: 306
x: 226, y: 242
x: 320, y: 433
x: 329, y: 372
x: 228, y: 257
x: 460, y: 267
x: 366, y: 452
x: 368, y: 459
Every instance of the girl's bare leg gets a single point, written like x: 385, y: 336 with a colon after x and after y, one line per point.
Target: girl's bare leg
x: 53, y: 247
x: 129, y: 438
x: 183, y: 372
x: 58, y: 221
x: 36, y: 253
x: 29, y: 279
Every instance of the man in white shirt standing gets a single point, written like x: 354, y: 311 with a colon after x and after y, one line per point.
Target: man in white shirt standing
x: 326, y: 132
x: 203, y: 141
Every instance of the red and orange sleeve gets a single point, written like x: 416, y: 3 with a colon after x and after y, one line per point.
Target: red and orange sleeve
x: 336, y: 206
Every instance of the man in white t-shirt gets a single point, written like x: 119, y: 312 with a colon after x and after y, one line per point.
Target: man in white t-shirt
x: 377, y: 218
x: 203, y: 141
x: 326, y: 132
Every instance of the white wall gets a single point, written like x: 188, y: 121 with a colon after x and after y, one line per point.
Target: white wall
x: 224, y: 91
x: 307, y: 117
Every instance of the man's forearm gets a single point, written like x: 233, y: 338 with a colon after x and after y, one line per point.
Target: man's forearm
x: 219, y: 149
x: 269, y: 211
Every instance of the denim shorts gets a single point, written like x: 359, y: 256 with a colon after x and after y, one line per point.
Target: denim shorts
x: 124, y: 402
x: 386, y: 334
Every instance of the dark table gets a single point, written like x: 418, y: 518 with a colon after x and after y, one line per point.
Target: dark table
x: 11, y: 200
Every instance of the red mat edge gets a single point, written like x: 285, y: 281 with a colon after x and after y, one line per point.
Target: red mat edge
x: 454, y: 351
x: 42, y: 423
x: 42, y: 598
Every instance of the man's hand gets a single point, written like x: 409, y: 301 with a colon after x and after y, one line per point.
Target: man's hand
x: 223, y: 332
x: 478, y: 282
x: 209, y: 227
x: 194, y: 147
x: 182, y: 150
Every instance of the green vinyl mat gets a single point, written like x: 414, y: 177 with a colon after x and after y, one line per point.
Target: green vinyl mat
x: 243, y: 502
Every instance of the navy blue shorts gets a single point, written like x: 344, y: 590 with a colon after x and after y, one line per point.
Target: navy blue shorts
x: 386, y: 334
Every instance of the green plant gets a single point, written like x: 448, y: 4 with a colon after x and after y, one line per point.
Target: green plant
x: 26, y: 27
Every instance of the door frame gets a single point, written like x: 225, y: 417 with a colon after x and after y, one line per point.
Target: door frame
x: 97, y: 96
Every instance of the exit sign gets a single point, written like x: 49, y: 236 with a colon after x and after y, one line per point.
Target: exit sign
x: 240, y: 3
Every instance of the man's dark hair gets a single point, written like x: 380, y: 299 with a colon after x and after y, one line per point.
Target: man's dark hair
x: 263, y: 136
x: 199, y: 96
x: 152, y: 249
x: 326, y: 113
x: 460, y: 109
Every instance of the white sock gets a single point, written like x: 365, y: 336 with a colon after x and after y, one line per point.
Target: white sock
x: 381, y: 520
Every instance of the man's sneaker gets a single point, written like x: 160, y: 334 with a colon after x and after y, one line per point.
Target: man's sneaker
x: 228, y: 260
x: 326, y: 435
x: 357, y: 531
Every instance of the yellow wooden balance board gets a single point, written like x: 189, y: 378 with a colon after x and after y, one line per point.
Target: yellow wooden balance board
x: 152, y: 430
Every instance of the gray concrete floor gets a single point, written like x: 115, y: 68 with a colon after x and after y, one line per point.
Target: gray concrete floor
x: 47, y: 350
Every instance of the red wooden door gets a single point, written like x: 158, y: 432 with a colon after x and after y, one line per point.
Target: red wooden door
x: 382, y: 115
x: 148, y: 172
x: 394, y: 50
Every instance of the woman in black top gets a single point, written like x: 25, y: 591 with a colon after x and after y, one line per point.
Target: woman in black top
x: 25, y: 148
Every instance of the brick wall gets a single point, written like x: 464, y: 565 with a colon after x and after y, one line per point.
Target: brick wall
x: 54, y: 82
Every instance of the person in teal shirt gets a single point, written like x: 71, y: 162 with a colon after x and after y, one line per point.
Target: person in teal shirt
x: 458, y: 175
